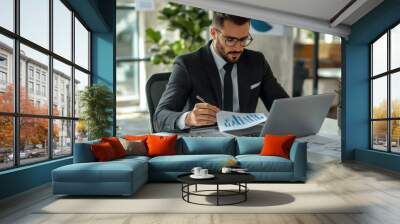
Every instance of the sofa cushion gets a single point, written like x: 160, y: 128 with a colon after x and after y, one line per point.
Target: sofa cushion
x: 277, y: 145
x: 206, y: 145
x: 257, y: 163
x: 185, y: 163
x: 249, y: 145
x: 103, y: 152
x: 116, y: 145
x: 112, y: 171
x: 134, y: 147
x: 161, y: 145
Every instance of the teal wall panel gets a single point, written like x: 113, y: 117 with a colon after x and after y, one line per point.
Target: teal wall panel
x: 24, y: 178
x: 355, y: 134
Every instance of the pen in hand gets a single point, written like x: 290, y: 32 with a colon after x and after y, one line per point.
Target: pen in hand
x: 201, y: 99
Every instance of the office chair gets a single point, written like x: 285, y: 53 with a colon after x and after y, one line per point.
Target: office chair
x: 155, y: 87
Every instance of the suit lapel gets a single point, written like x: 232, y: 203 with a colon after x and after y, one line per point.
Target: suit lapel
x: 212, y: 73
x: 243, y: 86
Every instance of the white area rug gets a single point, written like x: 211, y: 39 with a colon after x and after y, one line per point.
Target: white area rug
x: 166, y: 198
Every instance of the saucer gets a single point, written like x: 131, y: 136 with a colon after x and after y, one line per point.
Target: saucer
x: 208, y: 176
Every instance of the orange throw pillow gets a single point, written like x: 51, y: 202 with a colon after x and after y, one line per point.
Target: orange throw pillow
x: 277, y: 145
x: 116, y: 145
x: 136, y: 137
x: 103, y: 151
x: 161, y: 145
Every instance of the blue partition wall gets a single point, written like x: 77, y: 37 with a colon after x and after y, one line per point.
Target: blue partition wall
x: 100, y: 16
x: 356, y: 72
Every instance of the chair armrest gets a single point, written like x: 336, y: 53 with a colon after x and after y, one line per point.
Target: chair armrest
x: 83, y: 152
x: 298, y: 155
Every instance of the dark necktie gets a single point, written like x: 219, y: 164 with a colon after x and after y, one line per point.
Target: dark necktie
x: 228, y: 88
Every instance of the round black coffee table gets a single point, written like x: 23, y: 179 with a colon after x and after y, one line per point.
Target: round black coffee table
x: 238, y: 179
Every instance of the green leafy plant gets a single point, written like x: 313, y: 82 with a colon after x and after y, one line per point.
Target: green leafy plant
x: 96, y: 102
x: 189, y: 21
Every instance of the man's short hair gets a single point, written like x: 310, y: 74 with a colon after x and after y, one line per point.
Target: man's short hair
x: 219, y: 18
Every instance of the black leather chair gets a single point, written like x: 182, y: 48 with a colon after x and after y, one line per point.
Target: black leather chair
x: 155, y: 87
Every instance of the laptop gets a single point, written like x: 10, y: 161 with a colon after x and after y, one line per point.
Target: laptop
x: 301, y: 116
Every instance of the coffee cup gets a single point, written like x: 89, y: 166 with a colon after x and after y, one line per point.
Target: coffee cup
x: 196, y: 171
x: 226, y: 170
x: 203, y: 172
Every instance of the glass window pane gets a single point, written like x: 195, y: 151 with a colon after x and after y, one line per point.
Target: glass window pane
x: 7, y: 14
x: 35, y: 21
x: 6, y: 74
x: 395, y: 47
x: 395, y: 95
x: 62, y: 29
x: 62, y: 138
x: 81, y: 131
x: 6, y: 142
x: 379, y: 135
x: 62, y: 89
x: 379, y: 55
x: 379, y: 97
x: 81, y: 45
x: 34, y: 72
x: 128, y: 82
x: 395, y: 136
x: 81, y: 81
x: 33, y: 139
x: 127, y: 44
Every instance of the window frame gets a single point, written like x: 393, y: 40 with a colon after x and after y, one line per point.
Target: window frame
x: 388, y: 74
x: 131, y: 60
x: 16, y: 114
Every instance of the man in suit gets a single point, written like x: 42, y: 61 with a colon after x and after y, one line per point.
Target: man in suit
x: 223, y: 73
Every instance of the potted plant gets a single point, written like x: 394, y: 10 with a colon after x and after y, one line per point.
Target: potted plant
x: 190, y: 22
x: 97, y: 103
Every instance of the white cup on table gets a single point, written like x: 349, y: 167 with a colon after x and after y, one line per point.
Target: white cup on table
x: 196, y: 170
x: 203, y: 172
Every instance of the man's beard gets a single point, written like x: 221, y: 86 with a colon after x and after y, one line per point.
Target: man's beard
x: 221, y: 51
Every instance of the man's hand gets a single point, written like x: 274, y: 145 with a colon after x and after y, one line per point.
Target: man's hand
x: 202, y: 114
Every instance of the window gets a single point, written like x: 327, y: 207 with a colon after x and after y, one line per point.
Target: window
x: 30, y: 73
x: 3, y: 61
x: 34, y: 21
x: 43, y: 90
x: 38, y: 89
x: 7, y: 14
x: 3, y: 78
x: 62, y: 74
x: 38, y: 74
x: 6, y: 72
x: 81, y: 45
x: 385, y: 94
x: 30, y: 88
x: 62, y: 29
x: 45, y: 131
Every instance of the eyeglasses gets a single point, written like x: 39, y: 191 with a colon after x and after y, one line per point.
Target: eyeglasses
x: 232, y: 41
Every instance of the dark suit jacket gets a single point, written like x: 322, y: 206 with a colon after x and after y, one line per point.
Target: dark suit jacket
x: 196, y: 74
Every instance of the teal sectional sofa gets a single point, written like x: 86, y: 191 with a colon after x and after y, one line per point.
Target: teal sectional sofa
x: 125, y: 176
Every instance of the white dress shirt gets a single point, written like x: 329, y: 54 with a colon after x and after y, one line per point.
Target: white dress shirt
x: 220, y: 62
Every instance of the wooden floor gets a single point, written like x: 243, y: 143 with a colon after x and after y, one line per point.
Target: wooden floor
x: 379, y: 190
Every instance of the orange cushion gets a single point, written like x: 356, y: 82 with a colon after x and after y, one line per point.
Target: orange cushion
x: 116, y: 145
x: 103, y: 151
x: 161, y: 145
x: 136, y: 137
x: 277, y: 145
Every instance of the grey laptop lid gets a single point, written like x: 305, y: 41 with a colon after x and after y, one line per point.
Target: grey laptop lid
x: 300, y: 116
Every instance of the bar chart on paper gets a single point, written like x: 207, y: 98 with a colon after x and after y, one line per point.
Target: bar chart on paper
x: 229, y: 121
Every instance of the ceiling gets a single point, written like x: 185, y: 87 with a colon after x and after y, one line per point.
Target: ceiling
x: 326, y: 16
